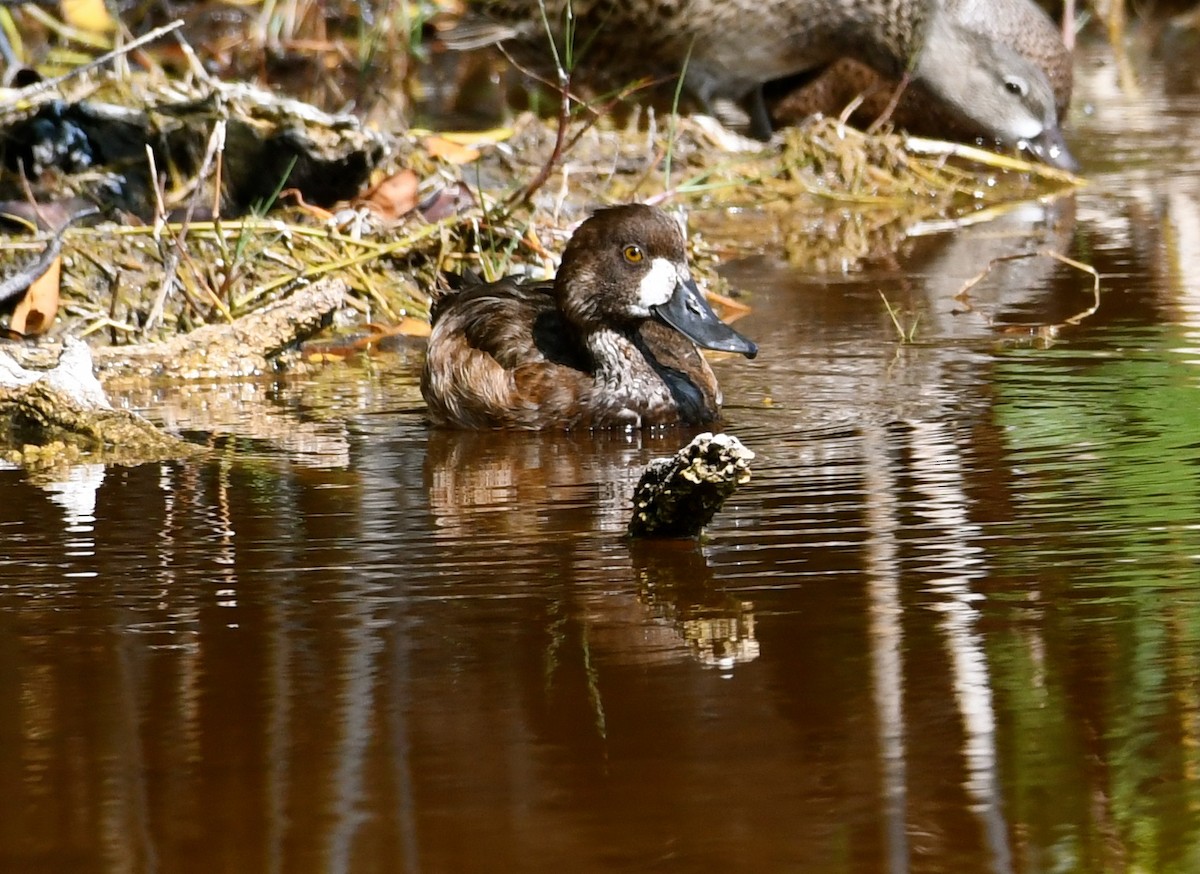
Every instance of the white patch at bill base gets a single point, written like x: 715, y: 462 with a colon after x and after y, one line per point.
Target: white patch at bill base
x: 658, y: 284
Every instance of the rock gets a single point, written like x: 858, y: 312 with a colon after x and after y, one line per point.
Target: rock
x: 53, y: 414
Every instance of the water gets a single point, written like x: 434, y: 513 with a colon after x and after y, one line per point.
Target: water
x: 951, y: 625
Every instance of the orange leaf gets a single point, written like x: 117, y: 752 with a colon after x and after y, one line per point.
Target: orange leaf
x: 411, y: 327
x: 35, y: 313
x: 407, y: 327
x: 394, y: 196
x: 729, y: 309
x: 448, y: 150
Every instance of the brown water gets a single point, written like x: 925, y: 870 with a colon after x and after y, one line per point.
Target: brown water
x: 951, y: 625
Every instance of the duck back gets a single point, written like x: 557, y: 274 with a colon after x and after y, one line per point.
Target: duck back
x: 502, y: 356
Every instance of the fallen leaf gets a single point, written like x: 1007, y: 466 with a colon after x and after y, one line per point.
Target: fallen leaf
x: 37, y: 309
x: 729, y: 309
x: 448, y: 150
x: 394, y: 197
x: 411, y: 327
x: 406, y: 327
x: 446, y: 202
x: 89, y: 15
x: 375, y: 336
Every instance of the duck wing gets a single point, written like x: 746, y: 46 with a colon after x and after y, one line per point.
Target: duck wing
x: 500, y: 356
x: 515, y: 322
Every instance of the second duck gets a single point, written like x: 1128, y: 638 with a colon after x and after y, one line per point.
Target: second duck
x: 959, y: 52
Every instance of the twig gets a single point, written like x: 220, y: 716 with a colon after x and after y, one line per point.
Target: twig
x: 1086, y: 268
x: 1068, y: 24
x: 48, y: 84
x: 19, y: 282
x: 924, y: 146
x: 216, y: 143
x: 893, y: 102
x: 963, y: 295
x: 564, y: 66
x: 560, y: 137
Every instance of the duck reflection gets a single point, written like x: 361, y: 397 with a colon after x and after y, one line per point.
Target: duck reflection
x: 513, y: 488
x: 501, y: 483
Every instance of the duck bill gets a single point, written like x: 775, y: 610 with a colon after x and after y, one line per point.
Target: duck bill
x: 689, y: 313
x: 1049, y: 147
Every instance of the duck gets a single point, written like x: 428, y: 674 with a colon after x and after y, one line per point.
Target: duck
x: 611, y: 342
x: 1020, y: 27
x: 727, y: 50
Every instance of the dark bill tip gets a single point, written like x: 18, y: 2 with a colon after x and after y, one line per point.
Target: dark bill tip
x: 1050, y: 148
x: 689, y: 313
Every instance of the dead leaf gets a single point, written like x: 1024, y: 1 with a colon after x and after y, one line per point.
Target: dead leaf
x: 411, y: 327
x: 394, y: 197
x: 406, y: 327
x: 37, y: 309
x: 446, y: 202
x: 337, y: 348
x: 448, y: 150
x: 89, y: 15
x: 730, y: 310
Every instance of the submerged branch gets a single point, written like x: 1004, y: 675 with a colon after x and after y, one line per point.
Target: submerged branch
x: 678, y: 496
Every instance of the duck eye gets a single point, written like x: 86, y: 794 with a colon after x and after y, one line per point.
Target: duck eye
x: 1016, y: 86
x: 633, y: 254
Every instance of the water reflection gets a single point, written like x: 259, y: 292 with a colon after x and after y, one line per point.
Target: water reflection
x: 502, y: 484
x: 676, y: 584
x: 524, y: 489
x: 324, y: 669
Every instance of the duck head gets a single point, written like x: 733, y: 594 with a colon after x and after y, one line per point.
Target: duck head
x: 1003, y: 93
x: 627, y: 264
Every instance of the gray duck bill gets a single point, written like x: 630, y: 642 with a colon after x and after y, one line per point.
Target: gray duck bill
x: 689, y: 313
x: 1051, y: 148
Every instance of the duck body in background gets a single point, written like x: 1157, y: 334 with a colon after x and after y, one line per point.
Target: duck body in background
x: 728, y: 49
x: 1022, y: 27
x: 611, y: 342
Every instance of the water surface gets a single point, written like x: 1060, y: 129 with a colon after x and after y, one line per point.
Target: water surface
x: 951, y: 625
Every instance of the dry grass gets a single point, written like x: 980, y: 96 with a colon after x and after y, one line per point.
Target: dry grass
x: 837, y: 194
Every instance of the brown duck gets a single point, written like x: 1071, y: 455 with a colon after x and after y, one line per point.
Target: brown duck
x: 609, y: 343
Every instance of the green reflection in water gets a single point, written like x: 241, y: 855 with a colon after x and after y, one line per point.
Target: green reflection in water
x: 1100, y: 680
